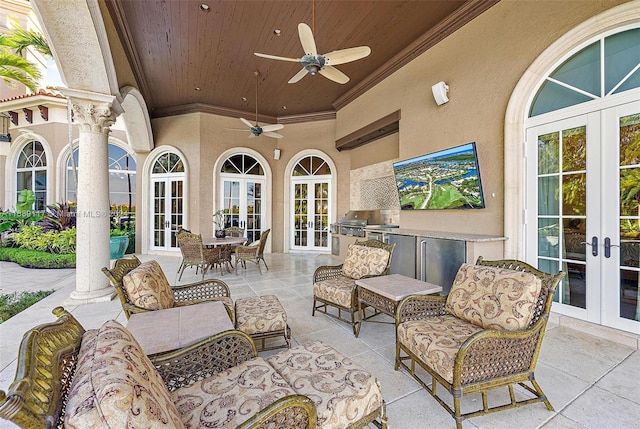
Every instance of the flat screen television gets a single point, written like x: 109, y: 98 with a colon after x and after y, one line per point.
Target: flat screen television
x: 447, y: 179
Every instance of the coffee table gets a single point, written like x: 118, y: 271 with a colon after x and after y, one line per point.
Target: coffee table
x: 163, y: 330
x: 384, y: 293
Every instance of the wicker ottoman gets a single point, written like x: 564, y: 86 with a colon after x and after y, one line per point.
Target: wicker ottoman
x: 263, y: 317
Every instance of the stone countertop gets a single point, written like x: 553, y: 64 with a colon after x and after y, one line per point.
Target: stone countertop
x: 437, y: 234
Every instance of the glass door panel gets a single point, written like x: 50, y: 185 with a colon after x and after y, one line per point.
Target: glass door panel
x: 168, y: 212
x: 242, y: 201
x: 310, y: 214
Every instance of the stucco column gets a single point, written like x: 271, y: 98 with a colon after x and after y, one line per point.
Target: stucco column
x: 94, y: 113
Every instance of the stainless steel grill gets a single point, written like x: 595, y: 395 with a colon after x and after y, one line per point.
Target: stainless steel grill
x: 355, y: 221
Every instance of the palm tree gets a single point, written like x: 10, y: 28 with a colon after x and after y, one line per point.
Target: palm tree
x: 13, y: 67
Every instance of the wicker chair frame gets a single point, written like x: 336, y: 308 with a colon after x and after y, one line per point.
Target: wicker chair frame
x: 47, y: 362
x: 234, y: 231
x: 195, y: 254
x: 488, y: 359
x: 253, y: 254
x: 326, y: 272
x: 192, y: 293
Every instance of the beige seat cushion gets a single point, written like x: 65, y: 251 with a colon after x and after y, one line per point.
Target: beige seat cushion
x: 436, y: 341
x: 260, y: 315
x: 229, y: 398
x: 342, y: 391
x: 363, y: 261
x: 494, y: 298
x: 338, y: 290
x: 116, y: 385
x: 147, y: 287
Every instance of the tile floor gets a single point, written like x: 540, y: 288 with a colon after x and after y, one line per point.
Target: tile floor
x: 592, y: 382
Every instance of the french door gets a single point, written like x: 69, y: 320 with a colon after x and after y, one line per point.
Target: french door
x: 168, y: 211
x: 583, y: 212
x: 243, y: 203
x: 310, y: 214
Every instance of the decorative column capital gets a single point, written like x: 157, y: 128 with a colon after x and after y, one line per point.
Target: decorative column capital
x: 93, y: 112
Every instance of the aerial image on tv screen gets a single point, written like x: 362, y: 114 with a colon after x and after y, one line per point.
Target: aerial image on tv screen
x: 448, y: 179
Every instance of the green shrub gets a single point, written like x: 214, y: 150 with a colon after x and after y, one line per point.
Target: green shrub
x: 37, y: 259
x: 31, y: 237
x: 13, y: 303
x: 131, y: 248
x: 64, y: 241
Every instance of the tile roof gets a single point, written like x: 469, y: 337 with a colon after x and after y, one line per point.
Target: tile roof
x: 49, y: 91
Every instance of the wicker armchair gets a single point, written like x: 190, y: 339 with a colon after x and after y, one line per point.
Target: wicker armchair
x: 206, y: 290
x: 335, y: 285
x: 471, y: 357
x: 38, y: 396
x: 234, y: 231
x: 195, y: 254
x: 252, y: 253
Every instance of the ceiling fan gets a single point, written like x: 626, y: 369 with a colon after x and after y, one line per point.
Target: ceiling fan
x: 257, y: 130
x: 314, y: 63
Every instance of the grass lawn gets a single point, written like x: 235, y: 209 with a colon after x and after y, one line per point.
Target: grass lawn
x: 13, y: 303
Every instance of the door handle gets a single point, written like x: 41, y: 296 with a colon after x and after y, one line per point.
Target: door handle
x: 608, y: 246
x: 593, y: 244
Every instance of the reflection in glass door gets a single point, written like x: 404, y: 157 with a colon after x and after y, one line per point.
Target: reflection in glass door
x: 585, y: 212
x: 310, y: 208
x: 621, y: 246
x: 167, y: 182
x: 310, y: 215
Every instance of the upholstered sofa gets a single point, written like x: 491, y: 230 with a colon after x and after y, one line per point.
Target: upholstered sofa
x: 69, y: 377
x: 335, y: 285
x: 485, y: 334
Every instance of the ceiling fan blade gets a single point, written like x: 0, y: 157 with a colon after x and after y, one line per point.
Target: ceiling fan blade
x: 252, y: 136
x: 236, y: 129
x: 275, y: 57
x: 298, y: 76
x: 306, y: 39
x: 247, y: 123
x: 347, y: 55
x: 273, y: 127
x: 272, y: 134
x: 334, y: 74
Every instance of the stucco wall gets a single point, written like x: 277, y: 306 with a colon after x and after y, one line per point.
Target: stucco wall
x: 482, y: 62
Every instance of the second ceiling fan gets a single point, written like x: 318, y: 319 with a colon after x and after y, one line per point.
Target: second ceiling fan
x: 313, y: 63
x: 257, y: 130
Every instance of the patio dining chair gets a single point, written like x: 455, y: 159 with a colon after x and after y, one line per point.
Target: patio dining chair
x: 234, y: 231
x: 195, y: 254
x: 252, y: 253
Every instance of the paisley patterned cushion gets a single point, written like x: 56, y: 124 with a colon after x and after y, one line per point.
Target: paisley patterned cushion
x: 436, y: 341
x: 342, y: 391
x: 147, y: 287
x: 260, y: 315
x: 123, y: 387
x: 364, y: 261
x: 229, y: 398
x: 494, y: 298
x: 338, y: 290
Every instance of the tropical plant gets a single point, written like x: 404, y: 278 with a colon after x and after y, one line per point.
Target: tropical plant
x: 63, y: 241
x: 14, y: 68
x: 218, y: 219
x: 31, y: 237
x: 23, y: 215
x: 58, y: 217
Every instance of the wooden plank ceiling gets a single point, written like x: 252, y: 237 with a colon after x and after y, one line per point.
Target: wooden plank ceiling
x: 186, y: 59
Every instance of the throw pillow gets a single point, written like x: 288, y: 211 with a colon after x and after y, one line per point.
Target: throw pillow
x: 148, y: 287
x: 494, y: 298
x: 363, y: 261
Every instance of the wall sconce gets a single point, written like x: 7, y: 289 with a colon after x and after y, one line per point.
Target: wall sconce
x: 276, y: 154
x: 440, y: 91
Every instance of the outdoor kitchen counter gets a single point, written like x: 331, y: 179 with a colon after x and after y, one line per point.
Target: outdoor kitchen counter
x: 437, y: 234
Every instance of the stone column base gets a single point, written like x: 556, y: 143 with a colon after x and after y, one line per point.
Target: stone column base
x: 87, y: 297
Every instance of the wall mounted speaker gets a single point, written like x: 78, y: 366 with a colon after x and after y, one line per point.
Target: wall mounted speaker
x: 276, y: 154
x: 440, y: 91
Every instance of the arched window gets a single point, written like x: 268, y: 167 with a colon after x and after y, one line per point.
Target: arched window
x: 32, y: 172
x: 608, y: 66
x: 168, y: 163
x: 168, y: 204
x: 311, y: 166
x: 242, y: 196
x: 122, y: 181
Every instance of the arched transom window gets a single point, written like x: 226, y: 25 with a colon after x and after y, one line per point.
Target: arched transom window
x: 168, y: 163
x: 311, y: 166
x: 608, y: 66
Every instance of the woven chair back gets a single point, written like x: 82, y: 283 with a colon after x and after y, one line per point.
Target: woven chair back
x: 263, y: 241
x: 191, y: 248
x: 234, y: 231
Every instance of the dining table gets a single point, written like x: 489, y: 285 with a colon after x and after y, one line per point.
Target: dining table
x: 232, y: 242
